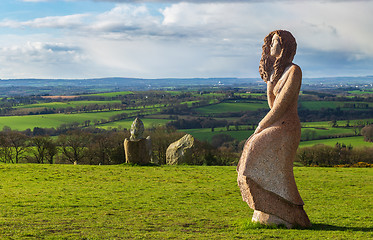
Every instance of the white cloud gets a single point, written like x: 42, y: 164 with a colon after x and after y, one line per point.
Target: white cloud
x: 38, y: 59
x: 195, y: 40
x: 69, y: 21
x: 124, y: 21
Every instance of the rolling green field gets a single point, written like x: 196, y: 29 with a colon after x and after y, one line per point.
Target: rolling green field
x: 52, y: 120
x: 329, y: 131
x: 111, y: 94
x: 171, y: 202
x: 317, y: 105
x: 205, y: 134
x: 367, y: 91
x: 148, y: 123
x: 327, y: 124
x: 232, y: 107
x: 357, y: 141
x: 67, y: 104
x: 251, y: 94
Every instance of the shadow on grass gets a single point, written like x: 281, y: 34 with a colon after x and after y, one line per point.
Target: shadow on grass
x: 327, y: 227
x: 315, y: 226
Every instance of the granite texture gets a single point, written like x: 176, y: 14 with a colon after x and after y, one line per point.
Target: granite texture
x: 137, y: 149
x: 137, y: 130
x: 179, y: 151
x: 265, y: 169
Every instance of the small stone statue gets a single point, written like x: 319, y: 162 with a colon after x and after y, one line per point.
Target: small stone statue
x: 137, y: 130
x: 265, y: 169
x: 137, y: 149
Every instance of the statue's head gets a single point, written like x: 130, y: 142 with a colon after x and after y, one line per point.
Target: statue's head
x: 279, y: 49
x: 137, y: 129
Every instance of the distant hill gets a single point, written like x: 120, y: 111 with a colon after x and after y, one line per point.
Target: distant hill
x: 13, y: 87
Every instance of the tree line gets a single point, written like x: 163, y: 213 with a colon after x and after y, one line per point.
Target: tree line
x: 339, y: 155
x: 100, y: 147
x: 77, y: 146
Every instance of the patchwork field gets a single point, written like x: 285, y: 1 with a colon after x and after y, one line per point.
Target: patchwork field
x: 183, y: 202
x: 175, y: 108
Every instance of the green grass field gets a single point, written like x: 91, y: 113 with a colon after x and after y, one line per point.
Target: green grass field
x: 329, y: 131
x: 357, y: 141
x: 251, y: 94
x: 205, y: 134
x: 359, y: 92
x: 232, y: 107
x: 181, y: 202
x: 66, y: 104
x: 52, y: 120
x: 110, y: 94
x: 317, y: 105
x: 148, y: 123
x: 327, y: 124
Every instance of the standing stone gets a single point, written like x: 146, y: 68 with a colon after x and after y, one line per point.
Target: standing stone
x: 137, y: 130
x: 137, y: 149
x: 178, y: 152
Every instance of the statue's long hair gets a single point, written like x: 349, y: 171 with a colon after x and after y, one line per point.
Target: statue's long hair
x: 269, y: 64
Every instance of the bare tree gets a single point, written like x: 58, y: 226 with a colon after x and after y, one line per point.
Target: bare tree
x: 44, y: 149
x: 74, y: 145
x: 107, y: 148
x: 162, y: 137
x: 13, y: 145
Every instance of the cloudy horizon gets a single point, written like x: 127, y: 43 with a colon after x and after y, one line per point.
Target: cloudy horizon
x: 163, y: 39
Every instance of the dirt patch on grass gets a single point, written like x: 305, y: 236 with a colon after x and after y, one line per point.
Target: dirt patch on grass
x: 59, y: 97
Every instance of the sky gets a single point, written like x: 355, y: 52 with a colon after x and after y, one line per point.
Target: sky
x: 179, y: 39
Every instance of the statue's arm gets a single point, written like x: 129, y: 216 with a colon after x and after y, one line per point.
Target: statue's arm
x: 284, y: 99
x: 270, y: 96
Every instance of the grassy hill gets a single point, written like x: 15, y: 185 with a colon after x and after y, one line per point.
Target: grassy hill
x: 170, y: 202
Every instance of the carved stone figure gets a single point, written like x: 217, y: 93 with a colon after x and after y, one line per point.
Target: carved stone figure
x: 137, y: 149
x: 137, y: 130
x: 179, y: 151
x: 265, y: 169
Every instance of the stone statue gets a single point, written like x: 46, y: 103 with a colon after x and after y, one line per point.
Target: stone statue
x: 137, y: 149
x: 180, y: 152
x: 137, y: 130
x: 265, y: 169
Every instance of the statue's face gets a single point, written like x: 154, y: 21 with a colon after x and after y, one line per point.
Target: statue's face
x: 275, y: 46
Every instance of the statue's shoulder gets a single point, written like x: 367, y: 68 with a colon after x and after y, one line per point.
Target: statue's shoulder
x: 295, y: 71
x: 295, y: 68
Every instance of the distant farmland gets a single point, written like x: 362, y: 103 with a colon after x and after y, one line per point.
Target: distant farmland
x: 22, y: 123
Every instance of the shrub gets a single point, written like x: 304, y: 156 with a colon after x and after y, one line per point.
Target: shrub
x: 219, y: 139
x: 367, y: 132
x: 326, y: 156
x: 161, y: 138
